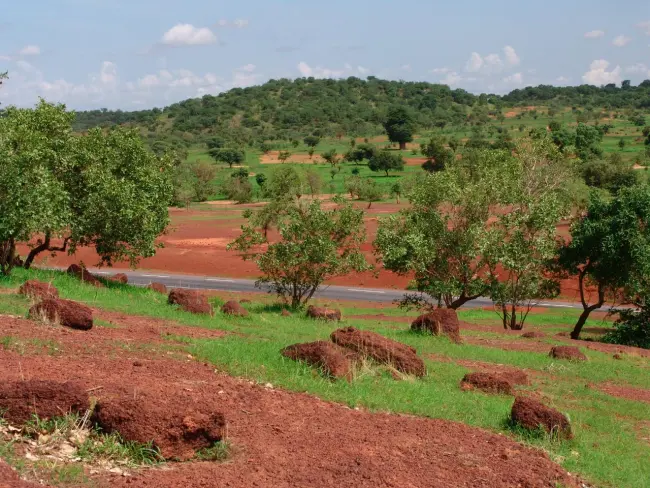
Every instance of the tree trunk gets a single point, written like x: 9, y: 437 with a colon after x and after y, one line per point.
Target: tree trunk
x: 587, y: 309
x: 402, y: 146
x: 44, y: 246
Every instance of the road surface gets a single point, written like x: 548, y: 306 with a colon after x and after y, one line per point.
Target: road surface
x: 171, y: 280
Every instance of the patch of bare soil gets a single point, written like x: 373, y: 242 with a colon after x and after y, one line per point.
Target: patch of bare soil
x: 514, y: 375
x: 627, y: 392
x: 284, y: 439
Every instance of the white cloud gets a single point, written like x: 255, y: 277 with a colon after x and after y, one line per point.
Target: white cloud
x: 594, y: 34
x: 319, y: 72
x: 451, y: 79
x: 562, y: 79
x: 645, y: 26
x: 511, y: 56
x: 598, y: 74
x: 237, y: 23
x: 620, y: 41
x: 638, y: 69
x: 492, y: 62
x: 474, y: 63
x: 188, y: 35
x: 514, y: 79
x: 405, y: 67
x: 362, y: 70
x: 240, y: 23
x: 440, y: 70
x: 305, y: 69
x: 249, y: 68
x: 5, y: 58
x: 31, y: 50
x: 108, y: 73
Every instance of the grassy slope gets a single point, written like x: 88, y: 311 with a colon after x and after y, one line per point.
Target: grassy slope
x: 608, y: 449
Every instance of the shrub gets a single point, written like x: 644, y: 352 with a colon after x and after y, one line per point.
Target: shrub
x: 631, y: 329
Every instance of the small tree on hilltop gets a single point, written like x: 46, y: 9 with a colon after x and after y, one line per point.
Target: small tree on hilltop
x: 386, y: 161
x: 399, y: 126
x: 609, y: 249
x: 315, y: 245
x: 228, y: 156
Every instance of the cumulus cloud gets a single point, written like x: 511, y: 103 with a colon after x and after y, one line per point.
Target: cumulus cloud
x: 594, y: 34
x: 511, y: 56
x: 188, y: 35
x: 598, y: 74
x: 451, y: 79
x: 237, y: 23
x: 514, y: 79
x: 474, y: 63
x: 440, y: 70
x: 644, y: 26
x: 240, y: 23
x: 620, y: 41
x: 638, y: 69
x: 562, y: 79
x: 30, y: 50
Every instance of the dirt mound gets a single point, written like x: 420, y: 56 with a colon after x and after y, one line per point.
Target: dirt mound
x: 381, y: 349
x: 190, y: 300
x: 84, y: 275
x: 487, y: 382
x: 177, y: 430
x: 440, y: 321
x: 567, y: 352
x: 532, y: 414
x: 158, y: 287
x: 234, y: 308
x: 323, y: 313
x: 120, y: 278
x: 285, y: 313
x: 65, y: 312
x: 533, y: 335
x: 335, y: 361
x: 10, y: 479
x: 20, y: 400
x: 38, y: 289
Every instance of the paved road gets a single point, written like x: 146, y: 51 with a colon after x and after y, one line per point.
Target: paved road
x: 143, y: 278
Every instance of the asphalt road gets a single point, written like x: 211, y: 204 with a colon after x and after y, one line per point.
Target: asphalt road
x: 143, y: 278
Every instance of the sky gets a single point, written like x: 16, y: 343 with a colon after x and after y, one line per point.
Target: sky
x: 139, y: 54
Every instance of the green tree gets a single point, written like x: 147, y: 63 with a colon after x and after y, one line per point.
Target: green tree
x: 284, y: 184
x: 228, y: 156
x: 238, y: 188
x: 386, y: 161
x: 438, y: 156
x: 203, y: 181
x: 314, y: 182
x: 283, y: 156
x: 295, y: 143
x: 216, y: 143
x: 370, y: 191
x: 360, y: 153
x: 311, y: 141
x: 331, y: 157
x: 260, y: 179
x: 399, y: 125
x: 609, y: 249
x: 444, y: 238
x: 265, y: 147
x: 621, y: 143
x: 104, y: 189
x: 396, y: 190
x: 454, y: 144
x: 315, y: 245
x: 311, y: 152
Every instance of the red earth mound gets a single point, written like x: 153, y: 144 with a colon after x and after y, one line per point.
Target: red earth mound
x: 333, y: 360
x: 567, y: 352
x: 234, y: 308
x: 487, y: 382
x: 323, y: 313
x: 381, y: 349
x: 84, y: 275
x: 10, y: 479
x: 533, y: 335
x: 158, y: 287
x: 38, y: 289
x: 120, y: 278
x: 285, y: 313
x: 176, y: 426
x: 65, y: 312
x: 20, y: 400
x: 532, y: 415
x: 190, y: 300
x: 440, y: 321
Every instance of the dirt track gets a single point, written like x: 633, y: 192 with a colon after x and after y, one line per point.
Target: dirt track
x: 280, y: 439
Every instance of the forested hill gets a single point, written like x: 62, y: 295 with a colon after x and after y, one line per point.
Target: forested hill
x: 281, y: 109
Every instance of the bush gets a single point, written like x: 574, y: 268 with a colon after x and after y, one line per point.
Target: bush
x: 238, y: 189
x: 631, y: 329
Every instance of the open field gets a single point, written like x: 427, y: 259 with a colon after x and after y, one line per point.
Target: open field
x: 272, y: 428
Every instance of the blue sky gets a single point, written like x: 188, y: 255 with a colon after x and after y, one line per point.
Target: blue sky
x: 136, y: 54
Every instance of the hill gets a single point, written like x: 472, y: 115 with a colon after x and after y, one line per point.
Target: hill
x: 284, y: 109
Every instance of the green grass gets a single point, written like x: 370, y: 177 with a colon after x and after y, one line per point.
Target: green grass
x: 607, y: 450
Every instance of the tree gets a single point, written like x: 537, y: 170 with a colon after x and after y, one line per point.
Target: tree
x: 311, y: 152
x: 295, y: 143
x: 454, y: 144
x: 399, y: 126
x: 315, y: 245
x: 609, y: 249
x: 216, y: 143
x: 265, y: 147
x: 228, y: 156
x: 438, y: 156
x: 203, y: 181
x: 444, y: 238
x: 370, y: 191
x: 260, y: 179
x: 331, y: 157
x: 396, y: 190
x: 104, y: 189
x: 314, y: 182
x: 621, y: 143
x: 284, y: 184
x: 283, y: 156
x: 311, y: 141
x: 238, y: 188
x: 360, y: 153
x: 386, y: 161
x: 353, y: 142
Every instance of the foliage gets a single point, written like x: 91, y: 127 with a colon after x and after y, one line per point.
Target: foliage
x: 203, y: 180
x: 631, y: 329
x: 228, y: 155
x: 360, y: 153
x: 438, y: 156
x: 283, y: 156
x: 386, y: 161
x: 260, y: 179
x: 314, y: 182
x: 370, y: 191
x: 399, y: 125
x: 284, y: 183
x: 331, y: 157
x: 311, y: 141
x: 315, y: 245
x: 609, y: 175
x: 609, y: 248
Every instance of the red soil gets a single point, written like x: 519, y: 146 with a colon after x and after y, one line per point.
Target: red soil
x: 280, y: 439
x: 627, y: 392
